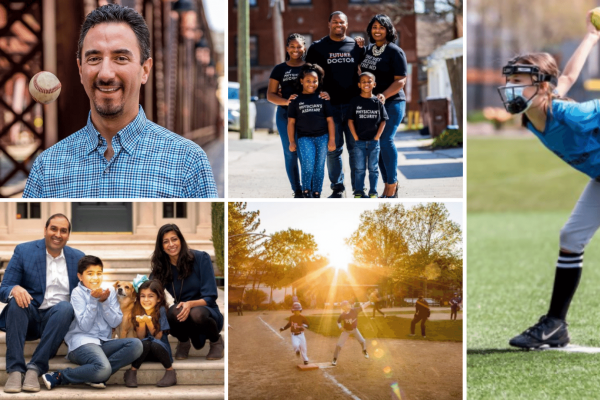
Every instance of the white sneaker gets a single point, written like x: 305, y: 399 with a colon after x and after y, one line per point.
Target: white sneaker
x: 366, y: 354
x: 100, y: 385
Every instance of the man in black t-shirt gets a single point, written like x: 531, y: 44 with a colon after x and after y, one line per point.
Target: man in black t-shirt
x: 340, y: 57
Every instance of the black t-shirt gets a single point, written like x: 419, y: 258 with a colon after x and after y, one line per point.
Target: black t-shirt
x: 286, y: 76
x: 367, y: 114
x: 340, y: 61
x: 310, y: 112
x: 392, y: 62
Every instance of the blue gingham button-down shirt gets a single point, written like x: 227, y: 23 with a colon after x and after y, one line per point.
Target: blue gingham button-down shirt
x: 149, y: 161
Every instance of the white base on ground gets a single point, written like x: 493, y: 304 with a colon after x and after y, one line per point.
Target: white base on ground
x: 573, y: 348
x: 325, y: 365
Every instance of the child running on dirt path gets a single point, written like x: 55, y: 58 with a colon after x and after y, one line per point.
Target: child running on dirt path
x: 349, y: 317
x: 298, y: 323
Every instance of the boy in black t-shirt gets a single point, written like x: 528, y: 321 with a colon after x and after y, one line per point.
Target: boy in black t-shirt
x: 366, y: 121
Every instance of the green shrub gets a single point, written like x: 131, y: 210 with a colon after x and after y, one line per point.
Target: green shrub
x: 448, y: 138
x: 218, y: 233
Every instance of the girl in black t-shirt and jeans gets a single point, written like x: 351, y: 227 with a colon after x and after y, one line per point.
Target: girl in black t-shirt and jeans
x: 310, y: 118
x: 284, y: 75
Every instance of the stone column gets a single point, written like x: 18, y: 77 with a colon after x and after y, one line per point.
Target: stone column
x: 203, y: 227
x: 145, y: 218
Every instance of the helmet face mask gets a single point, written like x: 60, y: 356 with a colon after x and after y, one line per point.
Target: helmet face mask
x: 513, y: 98
x: 512, y: 94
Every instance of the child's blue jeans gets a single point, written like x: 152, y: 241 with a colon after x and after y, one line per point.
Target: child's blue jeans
x: 99, y: 362
x: 313, y: 153
x: 366, y: 156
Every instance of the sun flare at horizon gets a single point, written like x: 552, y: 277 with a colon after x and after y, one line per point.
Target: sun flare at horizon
x: 339, y: 260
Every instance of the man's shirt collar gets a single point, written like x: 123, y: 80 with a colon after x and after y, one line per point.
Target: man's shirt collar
x: 125, y: 138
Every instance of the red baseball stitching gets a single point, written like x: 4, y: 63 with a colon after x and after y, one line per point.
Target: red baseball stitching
x: 45, y: 91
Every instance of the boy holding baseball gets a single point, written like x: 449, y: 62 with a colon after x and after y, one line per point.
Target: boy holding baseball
x: 298, y: 323
x: 89, y: 342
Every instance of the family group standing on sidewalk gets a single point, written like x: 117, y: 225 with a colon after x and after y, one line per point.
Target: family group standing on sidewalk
x: 337, y: 92
x: 54, y: 293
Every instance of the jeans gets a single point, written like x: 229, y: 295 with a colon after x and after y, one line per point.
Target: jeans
x: 388, y: 157
x: 99, y: 362
x: 313, y: 152
x: 198, y: 326
x: 291, y: 159
x: 334, y: 158
x: 49, y: 325
x: 366, y: 155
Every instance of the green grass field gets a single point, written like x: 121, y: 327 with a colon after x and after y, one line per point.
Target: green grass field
x: 519, y: 196
x: 391, y: 327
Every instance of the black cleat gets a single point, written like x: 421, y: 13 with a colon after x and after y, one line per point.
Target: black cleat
x: 549, y: 331
x: 305, y: 362
x: 337, y: 194
x: 298, y: 194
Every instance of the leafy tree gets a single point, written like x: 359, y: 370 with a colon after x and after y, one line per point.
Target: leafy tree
x: 254, y: 297
x: 419, y: 243
x: 242, y: 243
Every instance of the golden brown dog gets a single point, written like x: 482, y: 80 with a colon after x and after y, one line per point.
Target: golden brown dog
x: 127, y: 297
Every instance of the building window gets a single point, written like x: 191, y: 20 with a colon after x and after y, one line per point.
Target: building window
x: 253, y: 50
x: 174, y: 210
x: 29, y: 211
x: 253, y: 3
x: 253, y: 43
x: 300, y: 2
x: 307, y: 40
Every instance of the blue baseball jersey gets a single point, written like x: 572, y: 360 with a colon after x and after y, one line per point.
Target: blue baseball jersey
x: 572, y: 132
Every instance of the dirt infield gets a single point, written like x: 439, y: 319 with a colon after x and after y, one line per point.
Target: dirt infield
x: 263, y: 365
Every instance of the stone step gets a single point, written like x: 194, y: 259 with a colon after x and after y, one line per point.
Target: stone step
x: 189, y: 372
x: 122, y: 266
x: 179, y: 392
x: 30, y: 347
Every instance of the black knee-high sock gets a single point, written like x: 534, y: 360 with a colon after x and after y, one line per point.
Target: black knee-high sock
x: 568, y: 273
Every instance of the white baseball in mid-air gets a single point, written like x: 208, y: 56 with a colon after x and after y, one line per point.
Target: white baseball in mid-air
x: 44, y: 87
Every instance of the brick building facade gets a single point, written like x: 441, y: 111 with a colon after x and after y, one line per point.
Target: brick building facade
x: 310, y: 18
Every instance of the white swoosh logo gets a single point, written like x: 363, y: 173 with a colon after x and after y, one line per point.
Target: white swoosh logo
x: 544, y: 336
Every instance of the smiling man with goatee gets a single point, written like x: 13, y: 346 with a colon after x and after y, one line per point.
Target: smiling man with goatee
x: 119, y: 153
x: 37, y: 286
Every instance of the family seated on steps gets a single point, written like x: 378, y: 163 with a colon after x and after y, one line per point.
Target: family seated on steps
x: 73, y: 307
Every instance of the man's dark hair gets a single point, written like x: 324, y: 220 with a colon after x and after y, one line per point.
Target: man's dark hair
x: 58, y: 216
x: 116, y: 13
x: 88, y: 261
x: 338, y: 13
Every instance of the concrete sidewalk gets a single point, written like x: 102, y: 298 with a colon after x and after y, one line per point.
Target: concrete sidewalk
x: 257, y: 169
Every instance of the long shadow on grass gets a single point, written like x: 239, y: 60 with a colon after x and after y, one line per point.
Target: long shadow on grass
x: 485, y: 352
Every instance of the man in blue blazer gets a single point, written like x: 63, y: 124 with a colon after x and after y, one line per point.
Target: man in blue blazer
x: 37, y: 286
